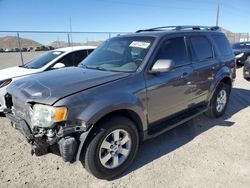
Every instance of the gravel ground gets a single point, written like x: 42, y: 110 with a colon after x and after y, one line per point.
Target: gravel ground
x: 201, y: 153
x: 14, y: 58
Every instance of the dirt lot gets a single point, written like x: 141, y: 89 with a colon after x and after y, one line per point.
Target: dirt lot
x: 201, y: 153
x: 14, y: 58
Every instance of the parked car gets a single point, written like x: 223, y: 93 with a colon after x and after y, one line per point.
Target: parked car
x: 50, y: 48
x: 24, y: 49
x: 9, y: 50
x: 37, y: 48
x: 29, y: 49
x: 60, y: 58
x: 16, y: 50
x: 1, y: 50
x: 241, y: 51
x: 130, y: 89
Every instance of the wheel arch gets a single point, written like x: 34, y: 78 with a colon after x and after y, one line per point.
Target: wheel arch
x: 128, y: 113
x: 226, y: 80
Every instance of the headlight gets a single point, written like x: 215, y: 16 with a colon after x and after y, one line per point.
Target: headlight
x: 239, y: 55
x: 5, y: 82
x: 46, y: 116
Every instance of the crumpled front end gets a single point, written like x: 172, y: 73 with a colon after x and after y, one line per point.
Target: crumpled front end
x: 63, y: 138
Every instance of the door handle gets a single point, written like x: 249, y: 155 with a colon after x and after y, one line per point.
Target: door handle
x: 184, y: 75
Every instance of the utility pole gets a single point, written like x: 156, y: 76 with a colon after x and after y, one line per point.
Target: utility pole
x: 218, y: 15
x: 70, y: 25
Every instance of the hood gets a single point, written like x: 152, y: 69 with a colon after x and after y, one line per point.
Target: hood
x: 238, y: 51
x: 14, y: 72
x: 49, y: 87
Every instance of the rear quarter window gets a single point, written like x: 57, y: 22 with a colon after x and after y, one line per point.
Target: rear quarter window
x: 222, y: 44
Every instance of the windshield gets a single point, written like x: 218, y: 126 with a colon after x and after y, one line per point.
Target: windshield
x: 123, y: 54
x: 42, y: 60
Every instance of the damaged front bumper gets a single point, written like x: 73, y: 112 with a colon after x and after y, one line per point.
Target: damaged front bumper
x: 68, y: 144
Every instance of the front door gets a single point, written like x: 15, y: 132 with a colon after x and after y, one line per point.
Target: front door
x: 170, y: 92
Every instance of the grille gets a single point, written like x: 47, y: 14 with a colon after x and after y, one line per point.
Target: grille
x: 8, y: 101
x: 21, y: 109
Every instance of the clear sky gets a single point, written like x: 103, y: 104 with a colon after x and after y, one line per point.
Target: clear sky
x: 121, y: 15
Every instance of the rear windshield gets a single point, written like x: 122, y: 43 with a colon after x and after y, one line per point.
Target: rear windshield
x: 42, y: 60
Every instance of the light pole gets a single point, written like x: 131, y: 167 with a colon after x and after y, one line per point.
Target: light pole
x: 218, y: 15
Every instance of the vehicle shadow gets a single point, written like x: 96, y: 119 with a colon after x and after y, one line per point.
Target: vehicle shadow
x: 2, y: 114
x: 181, y: 135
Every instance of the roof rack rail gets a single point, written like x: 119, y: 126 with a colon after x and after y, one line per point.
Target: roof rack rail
x: 178, y: 28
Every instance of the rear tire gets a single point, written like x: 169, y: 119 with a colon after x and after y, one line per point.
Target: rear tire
x: 113, y: 148
x: 219, y: 101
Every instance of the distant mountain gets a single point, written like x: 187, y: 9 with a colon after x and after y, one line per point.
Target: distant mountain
x: 12, y: 42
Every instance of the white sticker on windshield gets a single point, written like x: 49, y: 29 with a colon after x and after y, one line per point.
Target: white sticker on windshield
x: 57, y: 53
x: 139, y: 44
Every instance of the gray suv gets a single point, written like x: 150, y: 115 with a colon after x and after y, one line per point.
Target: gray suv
x: 132, y: 88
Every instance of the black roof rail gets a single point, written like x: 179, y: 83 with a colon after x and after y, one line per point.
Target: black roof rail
x: 178, y: 28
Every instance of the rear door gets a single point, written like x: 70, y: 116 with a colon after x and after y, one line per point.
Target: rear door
x: 169, y: 93
x: 205, y: 65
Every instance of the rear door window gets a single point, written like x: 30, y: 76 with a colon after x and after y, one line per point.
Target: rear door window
x: 201, y: 48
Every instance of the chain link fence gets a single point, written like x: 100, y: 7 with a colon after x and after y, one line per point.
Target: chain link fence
x: 237, y: 37
x: 30, y: 44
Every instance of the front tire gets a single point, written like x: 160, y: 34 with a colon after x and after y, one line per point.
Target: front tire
x: 113, y: 148
x: 219, y: 101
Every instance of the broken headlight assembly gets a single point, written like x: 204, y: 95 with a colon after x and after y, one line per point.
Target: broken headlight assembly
x: 45, y: 116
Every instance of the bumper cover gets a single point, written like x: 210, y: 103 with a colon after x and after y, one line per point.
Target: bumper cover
x: 70, y: 147
x: 20, y: 125
x: 38, y: 144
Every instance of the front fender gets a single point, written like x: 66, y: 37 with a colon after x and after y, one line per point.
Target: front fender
x: 111, y: 103
x: 91, y: 106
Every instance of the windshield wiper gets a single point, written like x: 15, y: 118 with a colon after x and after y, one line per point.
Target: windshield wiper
x: 101, y: 68
x: 95, y: 68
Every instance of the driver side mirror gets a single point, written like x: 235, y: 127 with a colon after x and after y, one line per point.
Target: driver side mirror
x: 58, y: 66
x: 162, y: 65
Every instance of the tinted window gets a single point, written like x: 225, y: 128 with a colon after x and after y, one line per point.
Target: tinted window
x: 90, y: 51
x: 79, y: 56
x: 43, y: 60
x: 67, y: 60
x: 174, y: 49
x: 201, y: 48
x: 222, y: 44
